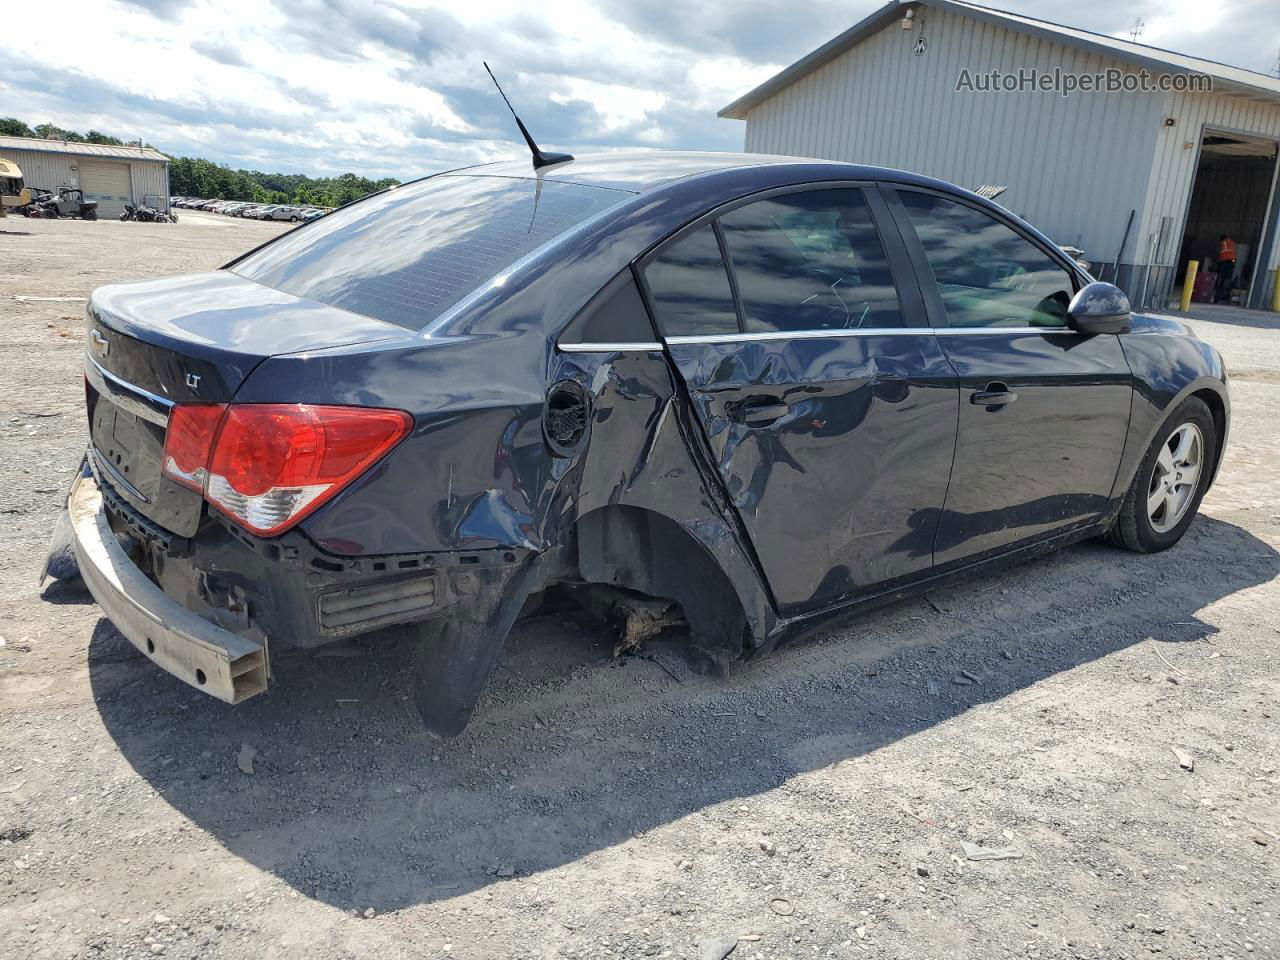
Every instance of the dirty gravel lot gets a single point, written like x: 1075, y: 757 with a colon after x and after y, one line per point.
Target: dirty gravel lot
x: 813, y: 806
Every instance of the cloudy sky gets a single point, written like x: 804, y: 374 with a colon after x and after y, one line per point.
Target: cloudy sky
x: 397, y: 88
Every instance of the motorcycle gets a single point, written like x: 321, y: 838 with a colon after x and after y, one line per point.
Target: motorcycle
x: 145, y: 214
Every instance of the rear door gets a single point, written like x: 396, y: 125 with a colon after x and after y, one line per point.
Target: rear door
x: 1044, y: 410
x: 827, y: 403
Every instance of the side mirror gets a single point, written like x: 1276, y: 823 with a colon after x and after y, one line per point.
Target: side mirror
x: 1099, y: 308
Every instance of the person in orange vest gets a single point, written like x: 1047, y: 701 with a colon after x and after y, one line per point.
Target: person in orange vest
x: 1226, y: 268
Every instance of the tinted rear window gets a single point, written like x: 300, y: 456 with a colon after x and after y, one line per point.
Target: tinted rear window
x: 408, y: 255
x: 690, y: 288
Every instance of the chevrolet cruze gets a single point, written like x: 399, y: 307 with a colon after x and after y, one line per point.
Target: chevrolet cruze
x: 768, y: 390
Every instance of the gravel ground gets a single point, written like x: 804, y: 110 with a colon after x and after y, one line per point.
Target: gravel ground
x: 816, y: 805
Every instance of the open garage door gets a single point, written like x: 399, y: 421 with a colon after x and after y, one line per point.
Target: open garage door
x: 1232, y: 196
x: 107, y: 182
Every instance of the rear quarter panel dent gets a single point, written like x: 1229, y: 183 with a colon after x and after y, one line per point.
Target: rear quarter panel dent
x: 638, y: 458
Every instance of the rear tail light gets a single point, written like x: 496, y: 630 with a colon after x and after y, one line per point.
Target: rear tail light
x: 192, y: 427
x: 267, y: 465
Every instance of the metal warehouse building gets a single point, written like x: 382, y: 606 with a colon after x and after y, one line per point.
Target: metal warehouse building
x: 1143, y: 181
x: 111, y: 175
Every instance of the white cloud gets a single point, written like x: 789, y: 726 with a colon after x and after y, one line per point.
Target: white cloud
x: 715, y: 81
x: 619, y: 108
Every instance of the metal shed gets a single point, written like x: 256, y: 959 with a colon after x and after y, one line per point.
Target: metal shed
x: 111, y: 175
x: 889, y: 91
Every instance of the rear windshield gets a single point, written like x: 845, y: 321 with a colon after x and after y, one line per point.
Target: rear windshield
x: 408, y: 255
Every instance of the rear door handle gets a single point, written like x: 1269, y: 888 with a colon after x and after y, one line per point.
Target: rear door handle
x: 758, y: 411
x: 996, y: 395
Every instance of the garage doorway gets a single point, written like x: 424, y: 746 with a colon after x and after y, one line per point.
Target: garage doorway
x: 107, y: 182
x: 1232, y: 194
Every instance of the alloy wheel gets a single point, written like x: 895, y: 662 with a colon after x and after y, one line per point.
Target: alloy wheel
x: 1175, y: 478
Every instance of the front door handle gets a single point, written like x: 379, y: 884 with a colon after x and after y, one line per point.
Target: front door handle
x: 995, y: 395
x: 758, y: 411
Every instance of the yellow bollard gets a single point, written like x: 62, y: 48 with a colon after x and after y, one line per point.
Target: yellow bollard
x: 1189, y: 284
x: 1275, y: 293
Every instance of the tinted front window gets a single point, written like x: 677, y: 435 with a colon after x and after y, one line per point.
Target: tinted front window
x: 989, y: 276
x: 690, y: 288
x: 810, y: 261
x: 409, y: 254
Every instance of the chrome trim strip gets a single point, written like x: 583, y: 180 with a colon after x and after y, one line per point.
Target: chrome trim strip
x: 993, y: 331
x: 607, y: 347
x: 863, y: 332
x: 141, y: 403
x: 803, y: 334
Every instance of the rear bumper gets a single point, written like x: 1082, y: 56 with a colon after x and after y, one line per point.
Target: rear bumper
x: 208, y: 657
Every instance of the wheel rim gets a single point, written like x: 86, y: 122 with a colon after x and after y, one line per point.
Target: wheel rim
x: 1175, y: 477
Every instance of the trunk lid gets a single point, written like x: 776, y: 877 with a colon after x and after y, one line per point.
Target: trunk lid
x: 188, y: 339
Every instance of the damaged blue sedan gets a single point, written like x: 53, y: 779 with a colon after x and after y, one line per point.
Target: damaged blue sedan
x: 769, y: 391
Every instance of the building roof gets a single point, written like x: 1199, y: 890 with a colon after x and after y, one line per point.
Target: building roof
x: 80, y: 149
x: 1226, y: 78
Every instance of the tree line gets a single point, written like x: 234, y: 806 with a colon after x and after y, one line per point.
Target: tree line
x: 198, y: 177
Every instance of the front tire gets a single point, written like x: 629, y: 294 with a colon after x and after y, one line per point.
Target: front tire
x: 1166, y: 491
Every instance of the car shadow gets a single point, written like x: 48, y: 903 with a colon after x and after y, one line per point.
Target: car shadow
x: 573, y: 751
x: 66, y: 593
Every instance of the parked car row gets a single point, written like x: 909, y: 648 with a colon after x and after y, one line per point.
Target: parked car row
x: 255, y: 211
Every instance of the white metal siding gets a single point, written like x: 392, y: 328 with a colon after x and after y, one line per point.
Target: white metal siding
x: 1074, y: 166
x: 46, y: 170
x: 150, y: 183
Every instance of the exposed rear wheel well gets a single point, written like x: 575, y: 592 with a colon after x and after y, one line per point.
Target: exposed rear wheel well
x: 652, y: 554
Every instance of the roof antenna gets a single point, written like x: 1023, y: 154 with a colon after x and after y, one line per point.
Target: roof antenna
x: 540, y: 159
